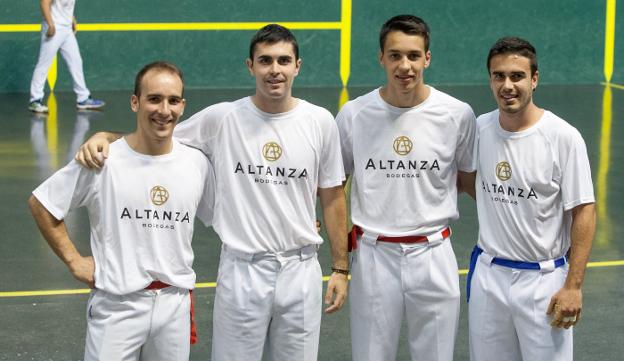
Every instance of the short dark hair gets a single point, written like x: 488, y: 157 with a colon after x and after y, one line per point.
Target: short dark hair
x: 160, y: 66
x: 408, y: 24
x: 513, y: 45
x: 271, y: 34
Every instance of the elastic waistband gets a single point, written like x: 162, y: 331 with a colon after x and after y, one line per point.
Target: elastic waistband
x: 303, y: 253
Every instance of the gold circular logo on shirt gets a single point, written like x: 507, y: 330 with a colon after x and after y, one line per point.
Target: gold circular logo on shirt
x: 503, y: 171
x: 159, y: 195
x: 271, y: 151
x: 403, y: 145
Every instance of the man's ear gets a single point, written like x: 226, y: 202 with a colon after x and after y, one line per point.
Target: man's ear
x: 249, y: 64
x: 134, y: 103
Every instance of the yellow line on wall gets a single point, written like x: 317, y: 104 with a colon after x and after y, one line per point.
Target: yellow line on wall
x: 16, y: 28
x: 603, y: 235
x: 214, y: 284
x: 609, y: 40
x: 206, y: 26
x: 20, y: 28
x: 345, y: 42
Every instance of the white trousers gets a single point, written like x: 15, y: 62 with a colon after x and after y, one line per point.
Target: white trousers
x: 269, y: 302
x: 507, y: 314
x: 65, y: 41
x: 147, y: 325
x: 391, y: 281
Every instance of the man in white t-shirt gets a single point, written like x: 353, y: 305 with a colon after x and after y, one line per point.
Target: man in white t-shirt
x: 57, y: 33
x: 272, y: 154
x: 141, y: 206
x: 404, y: 144
x: 535, y: 203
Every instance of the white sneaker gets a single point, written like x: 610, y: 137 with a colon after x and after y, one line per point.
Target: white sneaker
x: 90, y: 103
x: 37, y: 106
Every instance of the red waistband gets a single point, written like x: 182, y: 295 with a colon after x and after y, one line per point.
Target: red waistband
x: 357, y: 231
x: 157, y: 285
x: 193, y: 325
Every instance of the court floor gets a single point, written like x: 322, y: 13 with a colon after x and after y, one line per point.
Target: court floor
x: 38, y: 323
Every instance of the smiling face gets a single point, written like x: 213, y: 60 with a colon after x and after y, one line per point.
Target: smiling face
x: 159, y: 105
x: 275, y: 67
x: 404, y: 59
x: 511, y: 82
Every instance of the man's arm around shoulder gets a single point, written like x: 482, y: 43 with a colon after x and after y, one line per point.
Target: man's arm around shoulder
x: 93, y: 153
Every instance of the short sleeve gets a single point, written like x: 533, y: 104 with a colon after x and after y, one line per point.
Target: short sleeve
x: 69, y: 188
x: 466, y: 141
x: 331, y: 171
x: 205, y: 209
x: 344, y: 122
x: 201, y: 130
x: 477, y: 135
x: 576, y: 182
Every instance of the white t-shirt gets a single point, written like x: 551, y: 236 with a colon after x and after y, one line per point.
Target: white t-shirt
x: 62, y: 12
x: 268, y: 168
x: 404, y: 161
x: 527, y: 183
x: 141, y: 211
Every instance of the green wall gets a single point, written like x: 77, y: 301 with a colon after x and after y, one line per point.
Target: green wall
x: 568, y: 34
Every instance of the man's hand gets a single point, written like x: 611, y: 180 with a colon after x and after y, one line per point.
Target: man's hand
x: 336, y: 292
x: 74, y: 25
x: 565, y: 307
x: 51, y: 31
x: 93, y: 153
x: 83, y: 269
